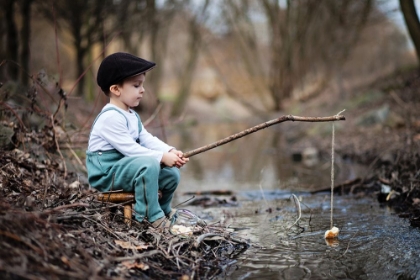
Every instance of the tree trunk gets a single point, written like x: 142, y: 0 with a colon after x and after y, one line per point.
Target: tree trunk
x: 159, y: 24
x: 25, y: 40
x: 76, y: 26
x: 12, y: 39
x: 186, y: 79
x: 412, y: 21
x: 80, y: 54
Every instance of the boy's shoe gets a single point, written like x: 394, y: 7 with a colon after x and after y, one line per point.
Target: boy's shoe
x: 162, y: 223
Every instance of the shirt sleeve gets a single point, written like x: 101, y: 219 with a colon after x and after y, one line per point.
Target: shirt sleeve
x: 117, y: 135
x: 152, y: 142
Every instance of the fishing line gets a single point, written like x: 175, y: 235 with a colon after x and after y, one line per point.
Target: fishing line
x: 332, y: 173
x: 332, y: 169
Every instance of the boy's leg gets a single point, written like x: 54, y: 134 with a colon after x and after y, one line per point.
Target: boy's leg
x: 139, y: 174
x: 168, y: 182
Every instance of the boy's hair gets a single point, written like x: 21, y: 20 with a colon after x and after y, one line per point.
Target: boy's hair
x: 119, y: 66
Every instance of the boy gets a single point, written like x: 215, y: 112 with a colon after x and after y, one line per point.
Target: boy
x: 121, y: 154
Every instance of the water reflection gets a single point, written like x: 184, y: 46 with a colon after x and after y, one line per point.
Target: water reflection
x: 260, y: 159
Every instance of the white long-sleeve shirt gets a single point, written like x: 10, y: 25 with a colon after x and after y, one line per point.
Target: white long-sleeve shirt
x: 111, y: 131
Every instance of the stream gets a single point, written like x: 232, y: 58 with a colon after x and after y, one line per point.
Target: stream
x: 373, y: 243
x: 263, y: 174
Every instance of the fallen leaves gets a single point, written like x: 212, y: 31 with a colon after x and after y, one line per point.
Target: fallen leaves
x: 132, y: 245
x: 134, y: 264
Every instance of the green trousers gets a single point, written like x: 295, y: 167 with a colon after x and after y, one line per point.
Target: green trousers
x: 110, y: 170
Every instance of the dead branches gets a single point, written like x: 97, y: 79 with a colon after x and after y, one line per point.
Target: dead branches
x: 77, y: 241
x: 51, y: 229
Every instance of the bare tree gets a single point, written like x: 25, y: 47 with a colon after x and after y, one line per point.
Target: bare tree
x: 186, y: 75
x: 144, y: 26
x: 304, y: 37
x: 132, y: 22
x: 85, y: 21
x: 412, y: 21
x: 17, y: 41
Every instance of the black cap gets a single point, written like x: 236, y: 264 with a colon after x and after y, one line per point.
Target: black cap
x: 118, y: 66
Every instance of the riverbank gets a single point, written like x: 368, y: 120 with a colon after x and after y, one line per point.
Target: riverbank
x: 382, y: 132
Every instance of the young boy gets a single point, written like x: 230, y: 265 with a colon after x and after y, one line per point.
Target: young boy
x: 121, y: 154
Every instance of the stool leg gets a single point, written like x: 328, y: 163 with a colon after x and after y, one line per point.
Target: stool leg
x: 127, y: 214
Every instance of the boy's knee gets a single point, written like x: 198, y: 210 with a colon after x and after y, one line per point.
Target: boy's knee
x: 147, y: 164
x: 174, y: 174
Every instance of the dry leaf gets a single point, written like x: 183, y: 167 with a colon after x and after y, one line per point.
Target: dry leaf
x: 27, y: 183
x: 65, y: 260
x: 131, y: 264
x: 130, y: 245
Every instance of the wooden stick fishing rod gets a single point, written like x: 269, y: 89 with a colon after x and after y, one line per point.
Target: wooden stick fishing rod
x: 241, y: 134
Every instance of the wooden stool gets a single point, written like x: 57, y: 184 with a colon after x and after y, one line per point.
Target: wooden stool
x: 124, y: 198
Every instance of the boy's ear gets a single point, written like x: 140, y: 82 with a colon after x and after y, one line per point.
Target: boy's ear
x: 115, y: 90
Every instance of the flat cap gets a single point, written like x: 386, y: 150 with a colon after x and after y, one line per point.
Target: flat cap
x: 119, y: 66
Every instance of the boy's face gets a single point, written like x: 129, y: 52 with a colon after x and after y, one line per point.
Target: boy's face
x: 130, y: 92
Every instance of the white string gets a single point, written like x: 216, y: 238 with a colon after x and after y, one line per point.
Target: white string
x: 332, y: 168
x: 332, y: 172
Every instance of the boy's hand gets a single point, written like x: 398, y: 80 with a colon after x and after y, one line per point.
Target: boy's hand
x: 174, y: 158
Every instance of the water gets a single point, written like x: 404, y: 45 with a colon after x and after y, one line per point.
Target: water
x: 264, y: 158
x: 374, y: 243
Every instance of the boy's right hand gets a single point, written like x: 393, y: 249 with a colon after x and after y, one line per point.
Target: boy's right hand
x: 173, y: 160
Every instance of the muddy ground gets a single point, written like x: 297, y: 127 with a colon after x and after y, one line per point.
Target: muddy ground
x: 52, y: 226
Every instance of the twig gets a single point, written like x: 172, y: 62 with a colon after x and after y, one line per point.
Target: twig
x: 45, y: 189
x: 348, y: 245
x: 111, y: 191
x: 65, y: 207
x: 299, y: 210
x: 262, y: 126
x: 184, y: 201
x: 76, y: 157
x: 204, y: 236
x: 17, y: 238
x: 14, y: 113
x: 263, y: 196
x: 153, y: 116
x: 138, y: 256
x: 58, y: 147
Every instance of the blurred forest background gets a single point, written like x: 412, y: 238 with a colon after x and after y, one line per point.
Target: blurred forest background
x: 216, y: 60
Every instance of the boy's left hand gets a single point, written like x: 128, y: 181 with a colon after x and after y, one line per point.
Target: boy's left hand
x: 182, y: 160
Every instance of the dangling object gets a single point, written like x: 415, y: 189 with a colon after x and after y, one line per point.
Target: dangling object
x: 332, y: 233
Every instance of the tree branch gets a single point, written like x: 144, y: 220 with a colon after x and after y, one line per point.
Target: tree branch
x: 243, y: 133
